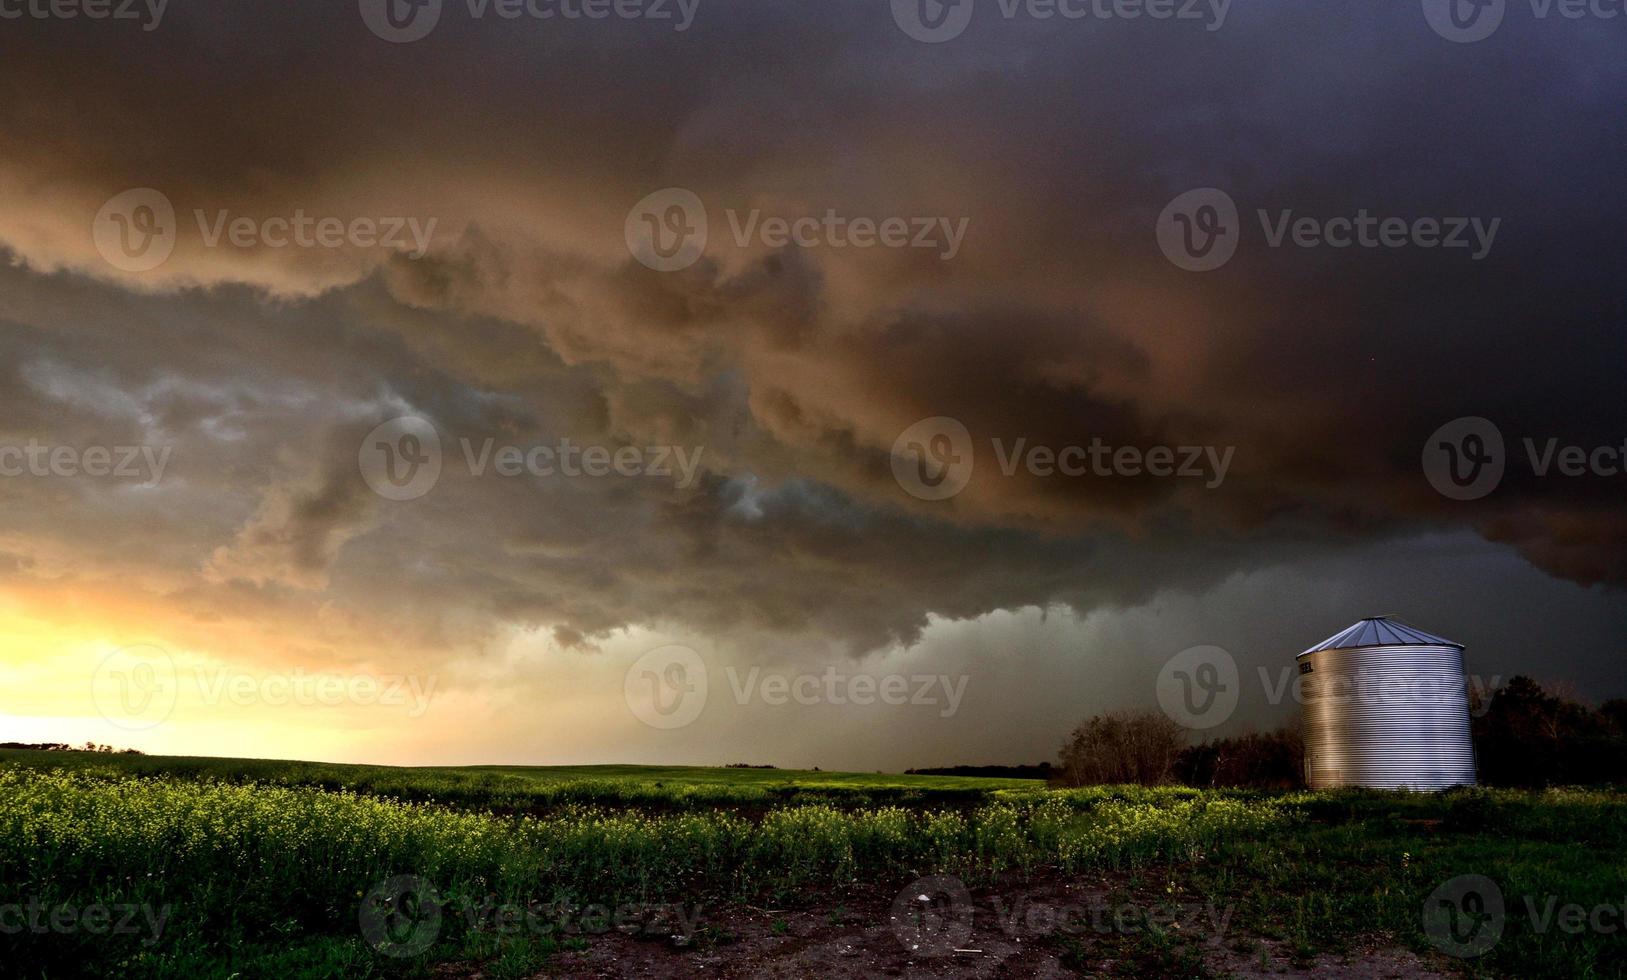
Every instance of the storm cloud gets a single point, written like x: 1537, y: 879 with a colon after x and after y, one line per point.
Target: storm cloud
x: 1318, y: 372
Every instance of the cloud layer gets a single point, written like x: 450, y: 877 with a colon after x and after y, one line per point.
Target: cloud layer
x: 796, y: 369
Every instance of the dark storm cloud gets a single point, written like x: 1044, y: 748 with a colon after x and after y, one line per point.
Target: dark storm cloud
x: 797, y: 369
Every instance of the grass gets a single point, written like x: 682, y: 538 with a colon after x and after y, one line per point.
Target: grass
x: 520, y: 789
x: 1372, y: 858
x: 261, y: 868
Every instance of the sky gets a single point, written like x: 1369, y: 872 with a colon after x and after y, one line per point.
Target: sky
x: 850, y: 384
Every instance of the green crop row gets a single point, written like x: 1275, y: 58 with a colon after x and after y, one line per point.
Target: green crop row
x: 238, y: 864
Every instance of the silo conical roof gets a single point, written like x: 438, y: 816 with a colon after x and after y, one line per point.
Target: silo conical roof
x: 1381, y: 631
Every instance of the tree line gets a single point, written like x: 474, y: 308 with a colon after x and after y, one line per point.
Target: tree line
x: 1524, y: 735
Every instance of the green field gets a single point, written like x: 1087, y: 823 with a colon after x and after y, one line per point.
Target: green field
x: 507, y: 782
x: 261, y: 868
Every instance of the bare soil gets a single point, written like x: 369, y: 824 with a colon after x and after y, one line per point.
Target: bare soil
x: 1059, y: 927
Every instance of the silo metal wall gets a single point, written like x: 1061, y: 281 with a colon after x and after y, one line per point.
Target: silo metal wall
x: 1387, y: 718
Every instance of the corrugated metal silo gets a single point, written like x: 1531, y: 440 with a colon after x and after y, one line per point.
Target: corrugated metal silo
x: 1386, y: 707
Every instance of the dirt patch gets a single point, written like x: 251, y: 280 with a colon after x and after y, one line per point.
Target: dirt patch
x: 1063, y: 927
x: 1368, y: 961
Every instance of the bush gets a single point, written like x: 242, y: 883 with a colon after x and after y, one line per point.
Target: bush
x: 1260, y: 760
x: 1123, y: 747
x: 1526, y: 736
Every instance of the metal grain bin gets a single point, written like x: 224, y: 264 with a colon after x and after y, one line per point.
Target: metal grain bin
x: 1386, y: 706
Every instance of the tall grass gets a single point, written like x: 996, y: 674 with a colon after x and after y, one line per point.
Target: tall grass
x: 249, y: 863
